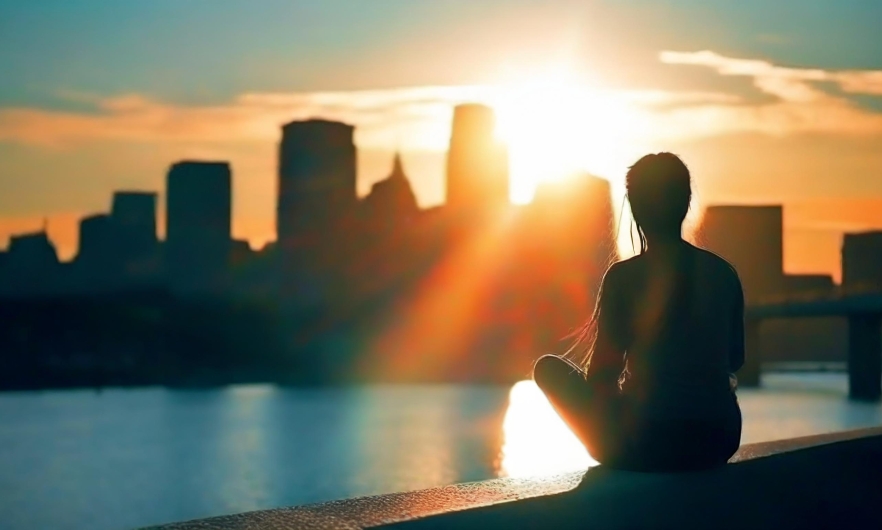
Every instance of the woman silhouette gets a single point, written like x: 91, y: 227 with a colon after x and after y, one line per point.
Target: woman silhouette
x: 657, y: 391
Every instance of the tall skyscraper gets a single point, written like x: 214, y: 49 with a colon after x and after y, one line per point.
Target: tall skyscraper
x: 98, y: 262
x: 862, y: 261
x: 316, y: 177
x: 134, y: 216
x: 578, y: 209
x: 198, y: 224
x: 477, y: 165
x: 316, y: 194
x: 751, y: 239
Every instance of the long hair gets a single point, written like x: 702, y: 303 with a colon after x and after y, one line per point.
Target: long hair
x: 659, y: 191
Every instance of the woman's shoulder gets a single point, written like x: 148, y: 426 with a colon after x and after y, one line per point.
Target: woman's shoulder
x: 718, y: 264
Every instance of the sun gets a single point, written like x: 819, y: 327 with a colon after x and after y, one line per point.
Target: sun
x: 557, y: 124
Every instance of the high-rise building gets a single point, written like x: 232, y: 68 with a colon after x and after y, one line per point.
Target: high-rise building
x: 98, y: 261
x: 136, y: 209
x: 97, y: 239
x: 751, y: 239
x: 317, y: 194
x: 862, y: 261
x: 134, y: 214
x: 316, y: 178
x: 477, y: 164
x: 561, y: 245
x: 578, y: 209
x: 198, y: 225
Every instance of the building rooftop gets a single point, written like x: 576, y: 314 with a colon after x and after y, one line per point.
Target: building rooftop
x: 317, y: 122
x: 202, y: 163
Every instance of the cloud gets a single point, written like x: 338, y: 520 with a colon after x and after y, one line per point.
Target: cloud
x: 413, y: 115
x: 800, y: 104
x: 666, y: 98
x: 419, y: 117
x: 770, y: 77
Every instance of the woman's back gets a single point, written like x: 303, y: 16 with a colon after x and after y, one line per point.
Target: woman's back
x: 679, y: 319
x: 669, y: 324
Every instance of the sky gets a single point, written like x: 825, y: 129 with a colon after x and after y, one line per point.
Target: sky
x: 767, y: 102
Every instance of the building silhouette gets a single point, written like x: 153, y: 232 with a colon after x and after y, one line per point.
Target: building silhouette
x: 316, y: 201
x: 198, y: 225
x: 477, y: 164
x: 391, y: 203
x: 861, y: 259
x: 98, y: 263
x: 134, y: 215
x: 372, y: 289
x: 31, y: 266
x: 565, y: 242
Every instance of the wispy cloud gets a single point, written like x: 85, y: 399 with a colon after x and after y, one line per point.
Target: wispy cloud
x: 418, y: 117
x: 770, y: 78
x: 413, y: 115
x: 800, y: 104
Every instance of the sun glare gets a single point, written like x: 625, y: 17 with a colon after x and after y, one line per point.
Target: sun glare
x: 536, y: 441
x: 557, y: 124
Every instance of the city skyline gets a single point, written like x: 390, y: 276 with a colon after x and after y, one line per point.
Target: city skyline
x: 708, y: 81
x: 349, y: 285
x: 159, y: 197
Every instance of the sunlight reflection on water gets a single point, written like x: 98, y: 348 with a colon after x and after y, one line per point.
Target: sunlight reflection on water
x: 128, y: 458
x: 535, y: 440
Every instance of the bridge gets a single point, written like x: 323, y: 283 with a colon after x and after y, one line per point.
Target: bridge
x: 863, y: 310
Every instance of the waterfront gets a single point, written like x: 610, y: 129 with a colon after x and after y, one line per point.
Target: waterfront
x: 127, y: 458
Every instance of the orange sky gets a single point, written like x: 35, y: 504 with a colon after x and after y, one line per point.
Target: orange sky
x: 759, y: 116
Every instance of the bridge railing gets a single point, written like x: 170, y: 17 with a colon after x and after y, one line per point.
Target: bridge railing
x: 838, y: 293
x: 860, y: 305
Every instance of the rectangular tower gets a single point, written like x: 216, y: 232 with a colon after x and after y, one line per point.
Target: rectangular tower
x: 316, y: 176
x: 134, y: 217
x: 198, y: 225
x: 477, y: 164
x: 862, y: 262
x: 317, y: 191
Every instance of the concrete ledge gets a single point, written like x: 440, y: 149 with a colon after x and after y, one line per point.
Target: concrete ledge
x: 812, y: 482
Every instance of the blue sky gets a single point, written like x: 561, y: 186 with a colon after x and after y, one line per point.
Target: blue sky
x: 63, y: 61
x: 195, y: 50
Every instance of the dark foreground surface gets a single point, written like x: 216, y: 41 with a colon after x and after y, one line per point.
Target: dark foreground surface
x: 827, y: 481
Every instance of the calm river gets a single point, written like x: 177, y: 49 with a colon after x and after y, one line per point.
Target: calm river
x: 122, y: 459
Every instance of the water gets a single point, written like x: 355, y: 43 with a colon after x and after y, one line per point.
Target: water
x: 128, y: 458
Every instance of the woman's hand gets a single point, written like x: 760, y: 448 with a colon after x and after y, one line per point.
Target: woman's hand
x: 733, y: 382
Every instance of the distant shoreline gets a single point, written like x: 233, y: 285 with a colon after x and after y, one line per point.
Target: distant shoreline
x: 767, y: 367
x: 805, y: 366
